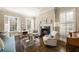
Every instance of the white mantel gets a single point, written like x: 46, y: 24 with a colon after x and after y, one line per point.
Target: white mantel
x: 46, y: 25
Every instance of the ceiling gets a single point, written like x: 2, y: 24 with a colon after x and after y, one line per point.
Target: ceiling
x: 29, y: 11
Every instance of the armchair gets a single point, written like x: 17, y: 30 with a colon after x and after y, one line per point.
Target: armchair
x: 51, y: 39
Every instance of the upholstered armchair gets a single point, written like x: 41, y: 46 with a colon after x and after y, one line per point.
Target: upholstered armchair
x: 27, y: 41
x: 51, y: 39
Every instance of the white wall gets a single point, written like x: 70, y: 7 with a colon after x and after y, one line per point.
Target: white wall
x: 1, y: 23
x: 4, y: 12
x: 49, y: 16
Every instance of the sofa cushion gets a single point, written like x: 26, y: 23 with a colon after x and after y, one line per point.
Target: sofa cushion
x: 53, y: 33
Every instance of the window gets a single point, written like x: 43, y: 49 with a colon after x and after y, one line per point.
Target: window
x: 30, y: 24
x: 13, y: 24
x: 10, y: 23
x: 67, y: 22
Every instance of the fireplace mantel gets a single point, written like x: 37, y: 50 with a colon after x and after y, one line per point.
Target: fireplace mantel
x: 46, y: 25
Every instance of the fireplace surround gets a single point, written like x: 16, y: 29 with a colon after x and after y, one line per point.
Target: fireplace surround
x: 45, y: 29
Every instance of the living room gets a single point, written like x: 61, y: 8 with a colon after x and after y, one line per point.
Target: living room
x: 38, y: 29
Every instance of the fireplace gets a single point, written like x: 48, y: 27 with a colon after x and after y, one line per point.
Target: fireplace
x: 45, y: 30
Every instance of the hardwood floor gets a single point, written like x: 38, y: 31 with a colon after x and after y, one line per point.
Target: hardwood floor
x: 38, y: 47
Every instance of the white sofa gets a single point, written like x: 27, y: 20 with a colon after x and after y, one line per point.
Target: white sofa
x: 51, y: 41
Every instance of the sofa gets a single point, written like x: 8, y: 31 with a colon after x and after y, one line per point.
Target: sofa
x: 50, y: 39
x: 7, y: 44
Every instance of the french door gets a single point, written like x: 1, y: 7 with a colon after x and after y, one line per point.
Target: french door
x: 67, y: 23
